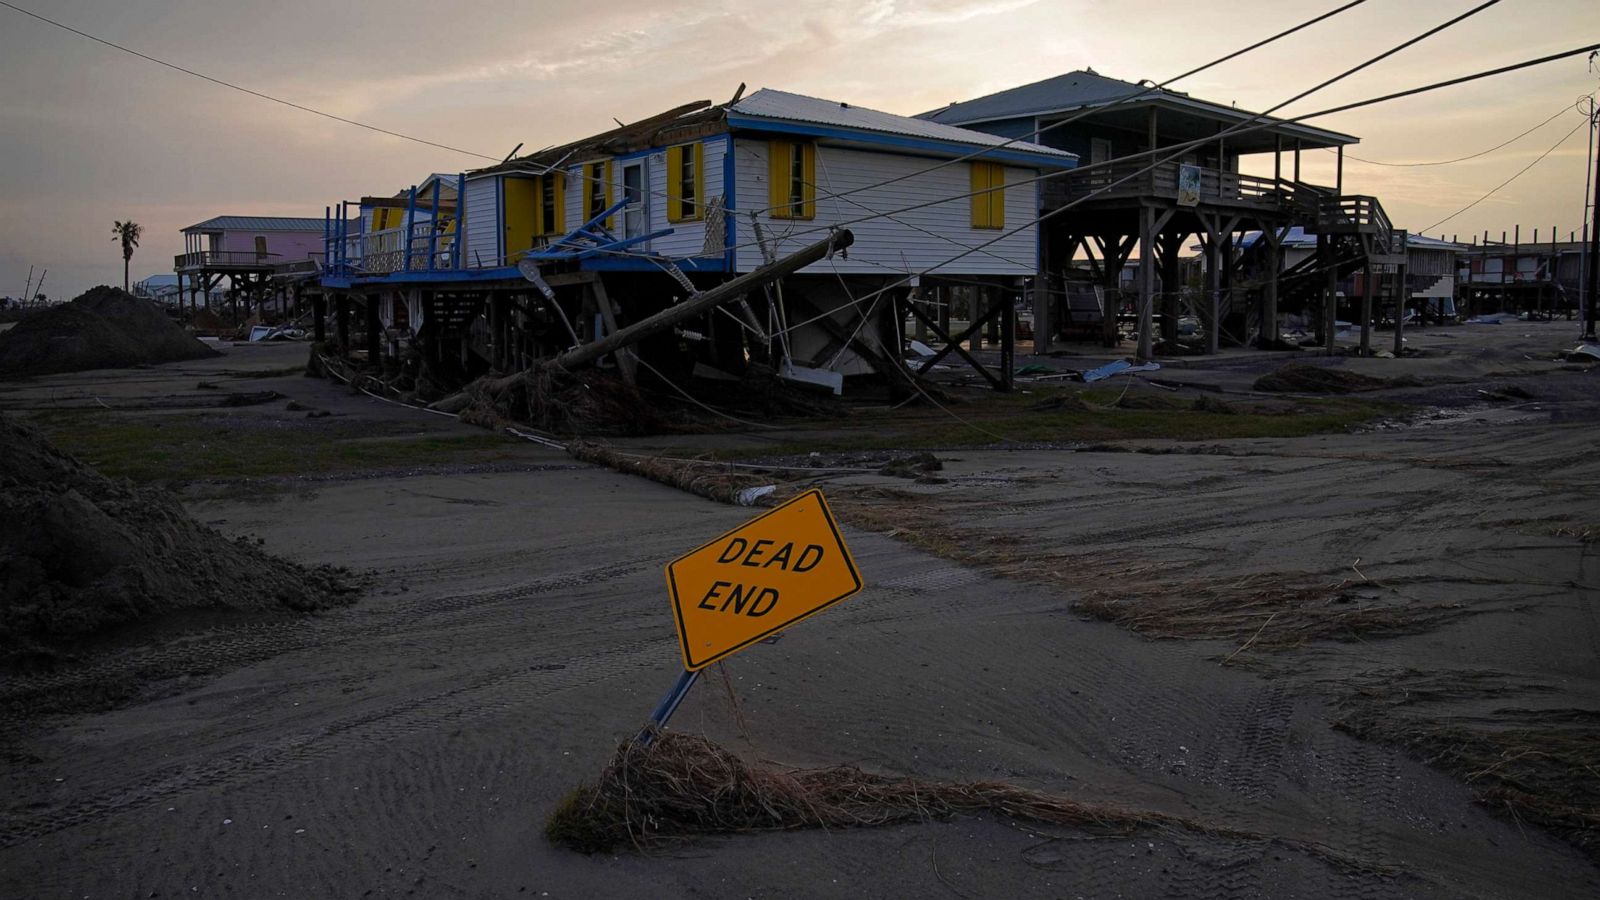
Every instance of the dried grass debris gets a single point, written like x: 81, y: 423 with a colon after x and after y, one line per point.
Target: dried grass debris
x: 680, y: 786
x: 1273, y: 610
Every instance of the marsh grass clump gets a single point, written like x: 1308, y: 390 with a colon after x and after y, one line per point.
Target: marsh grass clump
x: 681, y: 786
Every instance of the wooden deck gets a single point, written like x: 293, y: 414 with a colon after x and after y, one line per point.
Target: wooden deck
x: 1124, y: 181
x: 225, y: 260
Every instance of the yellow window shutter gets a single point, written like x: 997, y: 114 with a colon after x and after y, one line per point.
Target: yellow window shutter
x: 997, y: 195
x: 778, y: 168
x: 698, y: 211
x: 988, y: 195
x: 808, y: 190
x: 611, y: 222
x: 675, y: 183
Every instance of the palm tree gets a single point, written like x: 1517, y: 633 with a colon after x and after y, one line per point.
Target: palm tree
x: 128, y: 233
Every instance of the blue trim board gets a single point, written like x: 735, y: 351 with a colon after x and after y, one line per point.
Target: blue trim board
x: 627, y: 263
x: 901, y: 142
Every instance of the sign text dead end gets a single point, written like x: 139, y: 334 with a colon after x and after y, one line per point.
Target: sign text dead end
x: 783, y: 566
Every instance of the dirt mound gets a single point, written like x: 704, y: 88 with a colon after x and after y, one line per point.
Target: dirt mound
x: 1305, y: 379
x: 81, y: 554
x: 105, y: 328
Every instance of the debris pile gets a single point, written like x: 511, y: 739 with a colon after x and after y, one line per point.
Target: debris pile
x: 551, y: 399
x: 1307, y: 379
x: 1269, y: 610
x: 105, y: 328
x: 679, y: 786
x: 81, y: 554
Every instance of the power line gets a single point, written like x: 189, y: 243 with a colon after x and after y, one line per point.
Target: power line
x: 1180, y: 148
x: 1502, y: 184
x: 227, y: 84
x: 1460, y: 159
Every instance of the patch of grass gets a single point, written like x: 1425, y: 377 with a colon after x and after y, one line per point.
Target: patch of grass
x: 1012, y: 419
x: 190, y: 447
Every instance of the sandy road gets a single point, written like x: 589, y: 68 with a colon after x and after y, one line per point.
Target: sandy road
x: 517, y: 628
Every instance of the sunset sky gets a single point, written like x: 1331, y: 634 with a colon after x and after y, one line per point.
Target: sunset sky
x: 89, y: 134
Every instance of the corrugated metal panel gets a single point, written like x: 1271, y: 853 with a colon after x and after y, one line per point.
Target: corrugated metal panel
x: 910, y: 241
x: 257, y: 223
x: 1076, y: 90
x: 483, y: 223
x: 786, y: 107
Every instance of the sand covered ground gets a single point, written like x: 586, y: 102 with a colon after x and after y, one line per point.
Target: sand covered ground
x: 516, y: 628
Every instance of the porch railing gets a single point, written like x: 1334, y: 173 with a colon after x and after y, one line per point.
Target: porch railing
x: 220, y: 259
x: 1128, y: 179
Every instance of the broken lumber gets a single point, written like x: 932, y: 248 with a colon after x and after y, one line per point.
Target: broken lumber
x: 699, y: 304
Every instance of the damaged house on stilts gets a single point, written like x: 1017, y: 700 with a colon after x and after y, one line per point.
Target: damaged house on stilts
x: 776, y: 229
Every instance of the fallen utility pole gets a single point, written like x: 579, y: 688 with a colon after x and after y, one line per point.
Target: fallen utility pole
x: 703, y: 303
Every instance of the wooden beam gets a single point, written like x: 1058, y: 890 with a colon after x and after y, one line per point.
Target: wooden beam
x: 953, y: 344
x: 626, y: 363
x: 405, y: 203
x: 703, y: 303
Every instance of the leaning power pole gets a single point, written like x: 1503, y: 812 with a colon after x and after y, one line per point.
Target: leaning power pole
x: 1593, y: 275
x: 1592, y: 263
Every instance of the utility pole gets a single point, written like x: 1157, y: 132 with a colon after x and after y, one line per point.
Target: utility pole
x: 1594, y: 239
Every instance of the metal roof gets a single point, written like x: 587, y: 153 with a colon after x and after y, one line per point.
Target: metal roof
x: 782, y: 106
x: 1088, y: 88
x: 257, y: 223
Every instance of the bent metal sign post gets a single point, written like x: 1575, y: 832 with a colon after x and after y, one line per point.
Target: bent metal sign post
x: 785, y: 565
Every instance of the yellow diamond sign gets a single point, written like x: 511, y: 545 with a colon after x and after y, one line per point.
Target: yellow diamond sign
x: 758, y: 579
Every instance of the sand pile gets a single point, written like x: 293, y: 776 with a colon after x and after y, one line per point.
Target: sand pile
x: 1306, y: 379
x: 105, y: 328
x: 81, y: 554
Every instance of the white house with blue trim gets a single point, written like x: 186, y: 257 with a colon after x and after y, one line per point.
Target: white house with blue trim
x: 638, y: 215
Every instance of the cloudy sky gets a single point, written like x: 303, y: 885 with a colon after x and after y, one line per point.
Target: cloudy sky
x: 89, y: 134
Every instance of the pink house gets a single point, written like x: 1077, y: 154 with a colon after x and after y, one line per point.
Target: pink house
x: 249, y: 242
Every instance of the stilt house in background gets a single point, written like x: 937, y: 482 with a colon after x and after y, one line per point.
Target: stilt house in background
x: 1543, y: 278
x: 246, y: 250
x: 1112, y: 205
x: 565, y: 246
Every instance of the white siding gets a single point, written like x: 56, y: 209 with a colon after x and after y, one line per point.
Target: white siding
x: 909, y: 242
x: 482, y: 216
x: 688, y: 238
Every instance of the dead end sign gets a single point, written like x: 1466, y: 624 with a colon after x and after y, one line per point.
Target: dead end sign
x: 758, y: 579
